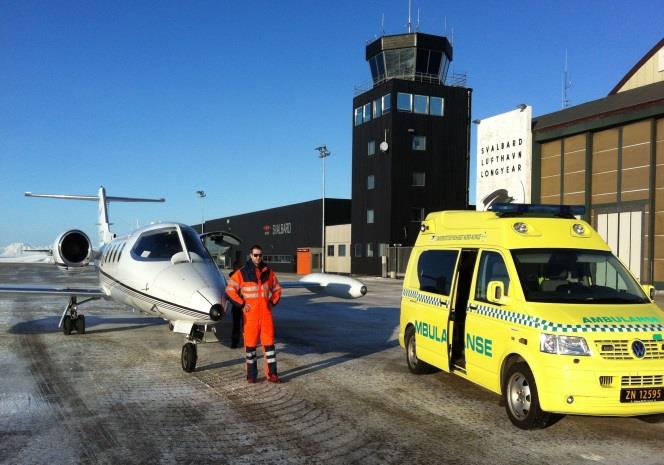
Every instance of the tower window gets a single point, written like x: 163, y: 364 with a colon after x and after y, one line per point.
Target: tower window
x: 377, y: 108
x: 421, y: 104
x: 370, y: 249
x: 371, y: 183
x: 404, y: 101
x: 436, y: 107
x: 387, y: 103
x: 371, y: 147
x: 419, y: 178
x: 419, y: 142
x: 358, y: 116
x: 358, y: 250
x: 367, y: 112
x: 370, y: 216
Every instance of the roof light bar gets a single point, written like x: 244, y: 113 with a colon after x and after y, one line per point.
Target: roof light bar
x: 522, y: 208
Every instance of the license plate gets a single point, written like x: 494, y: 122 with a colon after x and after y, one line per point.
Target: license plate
x: 642, y: 395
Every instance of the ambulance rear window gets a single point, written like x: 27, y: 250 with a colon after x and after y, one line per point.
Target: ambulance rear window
x: 435, y: 269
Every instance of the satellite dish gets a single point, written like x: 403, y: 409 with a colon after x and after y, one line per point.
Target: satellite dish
x: 384, y: 146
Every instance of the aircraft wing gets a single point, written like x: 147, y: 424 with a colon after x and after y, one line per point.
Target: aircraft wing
x: 68, y: 291
x: 330, y: 284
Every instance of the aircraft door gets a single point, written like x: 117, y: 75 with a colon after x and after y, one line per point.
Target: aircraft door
x: 435, y: 272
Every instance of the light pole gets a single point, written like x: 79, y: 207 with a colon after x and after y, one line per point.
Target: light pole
x: 201, y: 195
x: 323, y: 153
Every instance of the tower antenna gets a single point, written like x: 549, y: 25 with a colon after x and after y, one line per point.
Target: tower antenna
x: 567, y: 83
x: 382, y: 25
x: 410, y: 24
x: 417, y: 28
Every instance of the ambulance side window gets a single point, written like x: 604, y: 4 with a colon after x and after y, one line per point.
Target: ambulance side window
x: 435, y: 269
x: 492, y: 268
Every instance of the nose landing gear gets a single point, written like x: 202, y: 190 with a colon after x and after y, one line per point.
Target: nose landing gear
x: 71, y: 320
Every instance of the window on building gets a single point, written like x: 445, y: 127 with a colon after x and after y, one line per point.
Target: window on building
x: 435, y: 270
x: 370, y: 249
x: 358, y: 116
x: 419, y: 178
x: 377, y: 108
x: 421, y: 104
x: 370, y: 216
x: 330, y: 250
x: 417, y: 214
x: 419, y: 142
x: 436, y: 106
x: 371, y: 147
x: 387, y: 103
x: 367, y: 112
x: 382, y: 249
x: 358, y: 250
x: 342, y: 250
x: 370, y: 182
x: 404, y: 102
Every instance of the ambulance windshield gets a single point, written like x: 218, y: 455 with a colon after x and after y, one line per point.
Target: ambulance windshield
x: 575, y: 276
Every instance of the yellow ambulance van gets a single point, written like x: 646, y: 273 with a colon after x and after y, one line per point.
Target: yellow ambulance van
x: 529, y: 302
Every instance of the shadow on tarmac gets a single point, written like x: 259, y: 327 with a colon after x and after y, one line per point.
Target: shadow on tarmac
x: 50, y: 325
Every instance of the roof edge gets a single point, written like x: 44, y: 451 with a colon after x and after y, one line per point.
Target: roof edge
x: 636, y: 67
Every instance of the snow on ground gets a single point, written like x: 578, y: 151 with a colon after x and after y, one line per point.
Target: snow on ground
x: 17, y: 253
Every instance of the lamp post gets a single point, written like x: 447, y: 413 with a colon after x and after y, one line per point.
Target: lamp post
x: 202, y: 195
x: 323, y: 153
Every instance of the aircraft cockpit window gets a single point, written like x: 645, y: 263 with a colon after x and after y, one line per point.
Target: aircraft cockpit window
x: 157, y: 245
x: 194, y: 243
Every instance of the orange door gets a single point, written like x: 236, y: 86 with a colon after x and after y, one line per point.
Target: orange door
x: 303, y: 261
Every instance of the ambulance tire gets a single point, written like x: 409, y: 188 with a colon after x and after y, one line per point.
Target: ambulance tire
x: 521, y: 398
x: 415, y: 365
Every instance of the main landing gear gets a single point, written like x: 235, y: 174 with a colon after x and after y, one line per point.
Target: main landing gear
x: 71, y: 320
x: 189, y: 351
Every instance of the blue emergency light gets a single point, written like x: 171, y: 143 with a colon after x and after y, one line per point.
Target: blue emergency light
x: 538, y: 209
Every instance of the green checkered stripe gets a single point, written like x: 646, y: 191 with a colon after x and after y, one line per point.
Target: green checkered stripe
x: 424, y: 298
x: 544, y: 325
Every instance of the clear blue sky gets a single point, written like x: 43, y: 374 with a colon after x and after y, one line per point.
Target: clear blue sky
x: 165, y: 98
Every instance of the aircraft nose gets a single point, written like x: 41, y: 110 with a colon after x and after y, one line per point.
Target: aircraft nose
x: 208, y: 300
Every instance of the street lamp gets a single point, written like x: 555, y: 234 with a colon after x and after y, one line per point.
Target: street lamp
x: 323, y: 153
x: 201, y: 195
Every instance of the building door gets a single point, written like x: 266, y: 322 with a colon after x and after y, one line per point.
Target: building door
x: 623, y: 231
x: 303, y: 261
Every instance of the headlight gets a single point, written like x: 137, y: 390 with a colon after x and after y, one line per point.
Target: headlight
x: 564, y: 345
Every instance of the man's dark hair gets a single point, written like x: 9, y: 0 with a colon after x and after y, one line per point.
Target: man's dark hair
x: 256, y: 246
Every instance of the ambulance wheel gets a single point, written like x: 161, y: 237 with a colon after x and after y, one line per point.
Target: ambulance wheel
x: 415, y: 365
x: 521, y: 398
x: 67, y: 325
x: 189, y: 357
x: 79, y: 324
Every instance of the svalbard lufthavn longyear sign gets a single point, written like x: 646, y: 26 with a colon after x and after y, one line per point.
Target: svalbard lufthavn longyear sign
x: 504, y: 158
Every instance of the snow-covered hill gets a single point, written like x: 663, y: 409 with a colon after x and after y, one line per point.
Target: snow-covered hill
x: 16, y: 253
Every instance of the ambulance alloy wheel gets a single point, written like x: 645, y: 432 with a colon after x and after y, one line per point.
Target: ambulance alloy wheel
x: 415, y: 365
x: 67, y: 325
x: 521, y: 398
x: 79, y: 324
x: 189, y: 357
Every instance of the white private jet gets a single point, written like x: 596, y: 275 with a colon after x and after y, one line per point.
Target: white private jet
x: 163, y: 270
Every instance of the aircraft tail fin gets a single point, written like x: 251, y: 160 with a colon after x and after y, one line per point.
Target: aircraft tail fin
x: 105, y: 234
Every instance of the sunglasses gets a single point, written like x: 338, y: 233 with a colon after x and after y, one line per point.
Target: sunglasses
x: 257, y: 255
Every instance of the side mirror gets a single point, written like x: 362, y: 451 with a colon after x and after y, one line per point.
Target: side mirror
x: 650, y: 291
x: 496, y: 293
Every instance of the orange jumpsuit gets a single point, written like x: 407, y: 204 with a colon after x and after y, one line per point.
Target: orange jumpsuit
x: 257, y: 290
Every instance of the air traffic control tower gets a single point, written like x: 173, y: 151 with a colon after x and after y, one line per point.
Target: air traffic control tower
x: 411, y: 140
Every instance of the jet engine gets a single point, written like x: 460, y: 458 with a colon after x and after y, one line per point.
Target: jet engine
x: 72, y: 249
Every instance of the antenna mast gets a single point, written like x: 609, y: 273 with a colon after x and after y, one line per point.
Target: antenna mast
x: 410, y: 24
x: 567, y: 83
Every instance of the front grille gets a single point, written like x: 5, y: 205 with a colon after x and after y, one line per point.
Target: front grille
x: 622, y: 350
x: 636, y: 381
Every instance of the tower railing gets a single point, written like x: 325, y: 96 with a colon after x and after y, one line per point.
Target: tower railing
x: 456, y: 80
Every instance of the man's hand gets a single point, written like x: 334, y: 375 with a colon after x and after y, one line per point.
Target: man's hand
x: 246, y: 308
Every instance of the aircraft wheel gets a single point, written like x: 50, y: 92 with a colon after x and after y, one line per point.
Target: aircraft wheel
x: 170, y: 326
x: 79, y: 324
x: 67, y: 325
x: 189, y: 357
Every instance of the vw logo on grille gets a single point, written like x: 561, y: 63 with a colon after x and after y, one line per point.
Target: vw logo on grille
x: 639, y: 349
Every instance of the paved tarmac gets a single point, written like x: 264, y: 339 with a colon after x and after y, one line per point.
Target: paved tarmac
x: 117, y: 394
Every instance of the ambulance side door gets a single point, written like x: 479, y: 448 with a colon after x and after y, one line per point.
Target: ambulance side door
x: 486, y: 326
x: 435, y: 273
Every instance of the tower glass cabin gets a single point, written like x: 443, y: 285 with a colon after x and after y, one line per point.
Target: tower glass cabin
x: 411, y: 137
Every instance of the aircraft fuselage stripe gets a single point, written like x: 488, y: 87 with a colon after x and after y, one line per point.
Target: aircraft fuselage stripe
x: 111, y: 281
